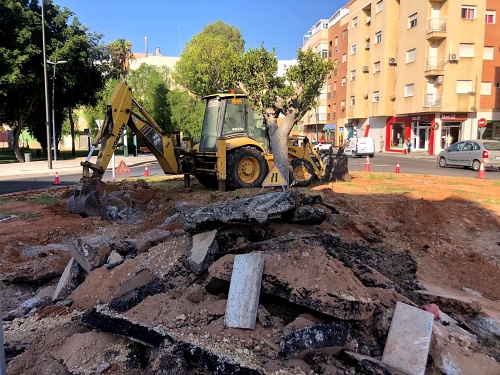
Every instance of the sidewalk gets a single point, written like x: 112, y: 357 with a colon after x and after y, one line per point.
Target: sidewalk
x: 9, y: 171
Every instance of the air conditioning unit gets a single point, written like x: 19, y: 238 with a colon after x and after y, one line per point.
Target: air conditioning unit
x: 454, y: 57
x: 367, y: 45
x: 367, y: 21
x: 392, y: 61
x: 392, y: 97
x: 438, y: 80
x: 365, y: 95
x: 365, y: 69
x: 342, y: 105
x: 367, y: 38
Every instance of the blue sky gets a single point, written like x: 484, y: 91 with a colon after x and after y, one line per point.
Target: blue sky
x: 169, y: 24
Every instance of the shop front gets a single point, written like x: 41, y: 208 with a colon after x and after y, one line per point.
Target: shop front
x: 451, y: 129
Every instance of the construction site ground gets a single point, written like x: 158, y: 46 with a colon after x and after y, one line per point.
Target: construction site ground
x: 449, y: 226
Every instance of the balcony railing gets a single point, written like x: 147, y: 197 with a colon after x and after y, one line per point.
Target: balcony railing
x: 433, y: 100
x: 435, y: 63
x: 436, y: 25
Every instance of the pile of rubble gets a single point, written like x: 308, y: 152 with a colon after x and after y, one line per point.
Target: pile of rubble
x: 226, y: 288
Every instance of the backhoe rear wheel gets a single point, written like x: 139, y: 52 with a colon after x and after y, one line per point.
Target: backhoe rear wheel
x: 302, y: 172
x: 246, y: 167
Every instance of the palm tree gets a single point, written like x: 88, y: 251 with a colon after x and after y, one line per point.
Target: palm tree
x: 121, y: 56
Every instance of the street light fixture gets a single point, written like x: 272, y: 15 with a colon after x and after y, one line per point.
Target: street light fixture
x: 53, y: 103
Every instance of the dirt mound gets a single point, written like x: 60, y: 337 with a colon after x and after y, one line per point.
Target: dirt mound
x: 138, y: 301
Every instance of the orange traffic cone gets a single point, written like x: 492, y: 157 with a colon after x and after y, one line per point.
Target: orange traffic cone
x: 146, y: 172
x: 56, y: 179
x: 481, y: 170
x: 397, y: 168
x: 367, y: 164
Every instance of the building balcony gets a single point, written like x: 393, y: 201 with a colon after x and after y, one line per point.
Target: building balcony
x: 433, y: 100
x: 434, y: 66
x: 436, y: 28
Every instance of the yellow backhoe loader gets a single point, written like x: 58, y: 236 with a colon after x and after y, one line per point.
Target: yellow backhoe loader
x: 233, y: 151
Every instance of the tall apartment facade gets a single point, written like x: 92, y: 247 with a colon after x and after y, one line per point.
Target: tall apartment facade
x: 420, y: 70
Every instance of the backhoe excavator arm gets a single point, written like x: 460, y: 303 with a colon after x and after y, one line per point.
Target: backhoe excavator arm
x: 86, y: 199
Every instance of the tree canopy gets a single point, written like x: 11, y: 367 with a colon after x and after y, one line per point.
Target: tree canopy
x: 207, y: 62
x: 22, y: 93
x: 290, y: 96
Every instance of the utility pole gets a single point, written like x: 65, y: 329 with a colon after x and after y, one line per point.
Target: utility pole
x: 53, y: 103
x: 47, y: 115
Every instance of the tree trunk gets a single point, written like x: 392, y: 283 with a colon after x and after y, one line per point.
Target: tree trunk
x: 278, y: 136
x: 15, y: 143
x: 72, y: 131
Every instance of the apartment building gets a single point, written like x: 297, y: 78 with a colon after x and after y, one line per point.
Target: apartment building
x: 424, y: 70
x: 313, y: 122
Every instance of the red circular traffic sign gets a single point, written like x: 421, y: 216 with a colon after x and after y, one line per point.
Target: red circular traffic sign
x: 481, y: 122
x: 435, y: 126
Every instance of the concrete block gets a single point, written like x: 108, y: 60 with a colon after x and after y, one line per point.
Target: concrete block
x: 73, y: 251
x: 243, y: 299
x: 202, y: 252
x: 63, y: 280
x: 409, y: 338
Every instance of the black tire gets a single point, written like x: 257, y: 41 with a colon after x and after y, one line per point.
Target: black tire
x: 207, y: 180
x: 442, y: 162
x: 372, y: 155
x: 476, y: 164
x: 353, y: 154
x: 302, y: 172
x: 246, y: 167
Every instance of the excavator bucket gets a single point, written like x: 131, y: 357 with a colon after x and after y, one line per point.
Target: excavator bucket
x: 86, y: 200
x: 336, y: 168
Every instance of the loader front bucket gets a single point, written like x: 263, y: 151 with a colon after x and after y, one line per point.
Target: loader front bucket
x: 86, y: 200
x: 336, y: 167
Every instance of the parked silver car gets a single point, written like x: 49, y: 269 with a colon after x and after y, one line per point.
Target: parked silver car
x: 470, y: 154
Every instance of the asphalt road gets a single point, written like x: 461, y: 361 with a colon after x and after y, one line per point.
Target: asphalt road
x: 379, y: 163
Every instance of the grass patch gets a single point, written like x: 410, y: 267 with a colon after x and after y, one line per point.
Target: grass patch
x: 47, y: 201
x: 381, y: 176
x: 492, y: 201
x: 21, y: 215
x: 391, y: 189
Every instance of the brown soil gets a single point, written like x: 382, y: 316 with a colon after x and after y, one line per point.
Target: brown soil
x: 449, y: 226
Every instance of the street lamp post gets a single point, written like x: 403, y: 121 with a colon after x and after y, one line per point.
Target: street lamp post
x: 55, y: 62
x: 47, y: 116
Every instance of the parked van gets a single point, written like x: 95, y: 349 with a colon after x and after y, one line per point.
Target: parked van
x: 360, y: 147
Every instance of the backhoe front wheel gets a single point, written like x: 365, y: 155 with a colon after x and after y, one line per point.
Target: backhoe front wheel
x: 302, y: 172
x: 246, y: 167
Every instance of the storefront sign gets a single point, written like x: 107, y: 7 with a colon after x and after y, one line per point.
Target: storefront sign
x: 454, y: 116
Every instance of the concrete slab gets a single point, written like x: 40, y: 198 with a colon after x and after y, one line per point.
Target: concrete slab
x: 201, y: 253
x: 77, y: 256
x: 243, y: 299
x: 63, y: 279
x: 409, y: 338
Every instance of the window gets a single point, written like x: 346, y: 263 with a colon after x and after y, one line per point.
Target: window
x: 353, y: 49
x: 497, y: 85
x: 490, y: 16
x: 324, y: 25
x: 412, y: 21
x: 464, y: 87
x: 410, y: 56
x: 488, y: 53
x: 342, y: 104
x: 409, y: 90
x: 378, y: 7
x: 324, y: 53
x: 353, y: 75
x: 352, y: 101
x: 485, y: 88
x: 335, y: 86
x: 355, y: 22
x: 376, y: 97
x: 344, y: 58
x: 466, y: 49
x: 336, y: 41
x: 344, y: 34
x: 378, y: 37
x: 468, y: 13
x: 376, y: 67
x: 344, y: 81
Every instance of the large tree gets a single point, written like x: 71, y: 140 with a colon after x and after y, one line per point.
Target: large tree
x: 290, y: 96
x: 150, y: 86
x: 207, y: 62
x: 187, y: 113
x: 22, y: 99
x: 121, y: 56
